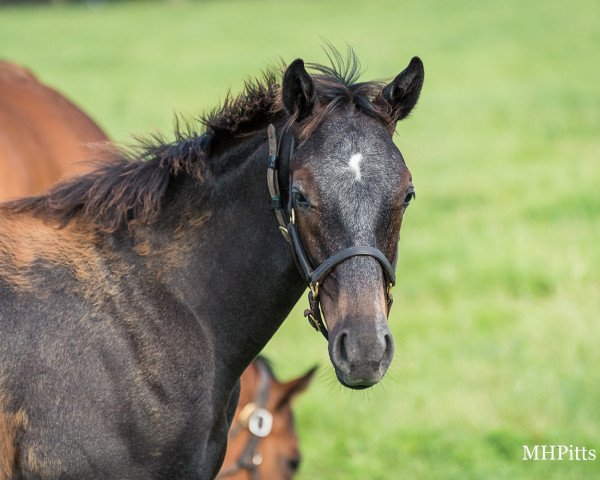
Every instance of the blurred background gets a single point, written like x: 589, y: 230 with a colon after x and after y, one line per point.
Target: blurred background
x: 496, y: 306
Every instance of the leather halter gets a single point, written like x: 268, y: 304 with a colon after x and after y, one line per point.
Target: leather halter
x: 314, y: 277
x: 258, y: 421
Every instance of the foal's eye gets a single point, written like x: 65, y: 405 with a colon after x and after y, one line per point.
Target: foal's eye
x: 410, y: 196
x: 300, y: 199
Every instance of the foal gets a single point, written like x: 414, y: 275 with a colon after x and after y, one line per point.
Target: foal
x: 262, y: 439
x: 133, y: 298
x: 59, y: 122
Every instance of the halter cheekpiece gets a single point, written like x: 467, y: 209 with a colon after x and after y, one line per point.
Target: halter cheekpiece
x: 314, y: 277
x: 258, y: 422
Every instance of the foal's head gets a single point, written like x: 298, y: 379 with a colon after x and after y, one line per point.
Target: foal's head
x: 350, y: 187
x: 276, y: 455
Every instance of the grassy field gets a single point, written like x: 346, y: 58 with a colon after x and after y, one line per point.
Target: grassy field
x: 496, y: 308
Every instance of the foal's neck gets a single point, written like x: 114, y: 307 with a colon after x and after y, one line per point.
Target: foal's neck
x: 238, y: 277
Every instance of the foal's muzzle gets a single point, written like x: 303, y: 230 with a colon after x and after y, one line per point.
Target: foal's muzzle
x: 361, y: 351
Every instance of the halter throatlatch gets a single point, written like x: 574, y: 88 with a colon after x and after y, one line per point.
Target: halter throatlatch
x: 314, y: 277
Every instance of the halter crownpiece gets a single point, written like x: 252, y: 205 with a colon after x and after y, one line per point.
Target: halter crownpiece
x: 314, y: 277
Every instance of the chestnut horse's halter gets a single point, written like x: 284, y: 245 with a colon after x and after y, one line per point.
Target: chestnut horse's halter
x: 314, y: 276
x: 258, y: 421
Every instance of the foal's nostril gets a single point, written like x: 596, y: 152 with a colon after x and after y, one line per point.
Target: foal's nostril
x: 339, y: 352
x: 293, y: 464
x: 342, y: 347
x: 389, y: 347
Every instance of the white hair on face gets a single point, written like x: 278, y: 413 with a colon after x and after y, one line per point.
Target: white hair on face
x: 354, y: 165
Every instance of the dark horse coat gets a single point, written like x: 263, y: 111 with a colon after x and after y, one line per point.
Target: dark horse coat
x: 132, y: 298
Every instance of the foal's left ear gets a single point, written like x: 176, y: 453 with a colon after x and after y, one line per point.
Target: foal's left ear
x: 298, y: 91
x: 402, y: 94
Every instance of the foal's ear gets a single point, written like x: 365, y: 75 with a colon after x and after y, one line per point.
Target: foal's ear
x: 403, y: 92
x: 298, y: 91
x: 294, y: 387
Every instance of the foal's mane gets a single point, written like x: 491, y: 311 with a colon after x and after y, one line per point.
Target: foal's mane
x: 133, y: 184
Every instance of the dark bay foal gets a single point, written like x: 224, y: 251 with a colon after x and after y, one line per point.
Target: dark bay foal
x: 72, y: 134
x: 132, y: 298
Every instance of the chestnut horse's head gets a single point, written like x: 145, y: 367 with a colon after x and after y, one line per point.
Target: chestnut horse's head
x: 262, y: 440
x: 348, y: 190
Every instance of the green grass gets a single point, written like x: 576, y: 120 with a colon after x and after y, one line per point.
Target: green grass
x: 496, y: 311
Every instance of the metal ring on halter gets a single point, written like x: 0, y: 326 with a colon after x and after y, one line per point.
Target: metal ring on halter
x: 260, y: 422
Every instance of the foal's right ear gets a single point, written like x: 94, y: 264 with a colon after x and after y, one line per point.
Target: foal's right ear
x: 298, y: 91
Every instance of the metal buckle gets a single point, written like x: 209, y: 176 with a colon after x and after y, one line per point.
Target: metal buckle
x: 260, y: 422
x: 286, y: 234
x: 311, y: 319
x: 314, y: 288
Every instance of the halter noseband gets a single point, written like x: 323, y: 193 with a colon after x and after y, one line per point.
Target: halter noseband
x: 314, y: 277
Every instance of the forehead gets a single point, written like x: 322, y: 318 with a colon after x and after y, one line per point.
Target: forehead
x: 350, y: 153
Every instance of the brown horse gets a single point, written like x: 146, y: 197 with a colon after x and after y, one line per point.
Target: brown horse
x: 42, y: 134
x: 262, y: 440
x: 59, y: 122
